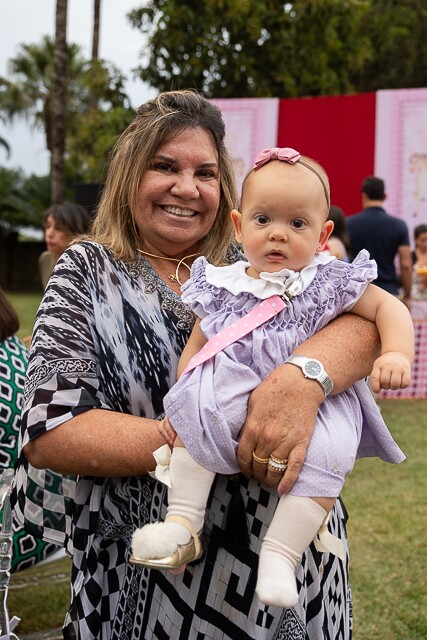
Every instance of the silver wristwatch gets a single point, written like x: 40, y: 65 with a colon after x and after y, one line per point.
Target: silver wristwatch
x: 314, y: 370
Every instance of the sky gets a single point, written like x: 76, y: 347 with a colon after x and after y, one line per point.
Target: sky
x: 26, y: 21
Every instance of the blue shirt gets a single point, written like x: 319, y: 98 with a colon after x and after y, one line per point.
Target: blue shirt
x: 382, y: 235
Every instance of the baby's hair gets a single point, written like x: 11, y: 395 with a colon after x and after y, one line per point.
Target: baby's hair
x: 320, y: 172
x: 315, y: 167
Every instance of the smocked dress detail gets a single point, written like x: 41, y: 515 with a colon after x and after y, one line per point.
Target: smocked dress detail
x: 208, y: 405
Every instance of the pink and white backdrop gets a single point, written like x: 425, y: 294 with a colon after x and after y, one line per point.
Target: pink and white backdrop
x: 401, y: 152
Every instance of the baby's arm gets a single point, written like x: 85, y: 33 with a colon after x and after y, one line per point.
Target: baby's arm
x: 196, y: 341
x: 392, y: 370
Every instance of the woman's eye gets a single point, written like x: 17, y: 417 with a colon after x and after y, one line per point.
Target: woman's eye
x: 164, y: 167
x: 261, y: 219
x: 207, y: 174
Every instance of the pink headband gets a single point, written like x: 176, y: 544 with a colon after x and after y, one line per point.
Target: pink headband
x: 287, y: 154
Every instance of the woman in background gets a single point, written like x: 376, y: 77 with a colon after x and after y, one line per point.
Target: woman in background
x: 419, y: 274
x: 61, y: 222
x: 339, y: 240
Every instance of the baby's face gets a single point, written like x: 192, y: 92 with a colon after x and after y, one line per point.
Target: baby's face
x: 282, y: 222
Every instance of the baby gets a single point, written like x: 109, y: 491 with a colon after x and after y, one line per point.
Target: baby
x: 287, y: 290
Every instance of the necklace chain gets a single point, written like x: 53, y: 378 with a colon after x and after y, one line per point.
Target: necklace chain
x: 173, y: 277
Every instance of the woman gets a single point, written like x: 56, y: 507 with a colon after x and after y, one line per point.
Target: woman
x: 106, y: 345
x: 339, y: 240
x: 61, y: 222
x: 419, y: 261
x: 27, y: 550
x: 419, y: 274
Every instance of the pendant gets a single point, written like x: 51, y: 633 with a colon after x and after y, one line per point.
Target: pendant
x: 172, y: 277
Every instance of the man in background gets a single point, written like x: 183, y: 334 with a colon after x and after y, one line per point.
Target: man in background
x: 384, y: 236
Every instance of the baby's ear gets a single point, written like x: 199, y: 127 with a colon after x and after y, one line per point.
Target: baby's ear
x: 236, y: 217
x: 327, y: 229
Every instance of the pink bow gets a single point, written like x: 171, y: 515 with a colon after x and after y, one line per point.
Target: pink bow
x: 286, y: 154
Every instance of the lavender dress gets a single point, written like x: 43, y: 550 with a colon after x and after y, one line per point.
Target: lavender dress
x: 208, y: 405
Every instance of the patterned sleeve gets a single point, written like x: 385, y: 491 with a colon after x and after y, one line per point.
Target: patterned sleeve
x: 62, y: 375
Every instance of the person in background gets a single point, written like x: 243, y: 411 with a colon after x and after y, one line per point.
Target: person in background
x: 61, y: 222
x: 108, y: 336
x: 339, y: 240
x: 385, y: 237
x: 27, y: 550
x: 419, y: 261
x: 419, y: 254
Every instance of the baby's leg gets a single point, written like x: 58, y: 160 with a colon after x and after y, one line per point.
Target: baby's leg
x: 294, y: 525
x: 191, y: 484
x: 330, y: 458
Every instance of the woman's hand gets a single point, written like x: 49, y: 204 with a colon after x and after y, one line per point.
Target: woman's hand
x: 283, y: 409
x: 279, y: 423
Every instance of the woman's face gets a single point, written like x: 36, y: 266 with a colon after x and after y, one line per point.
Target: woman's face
x: 178, y: 196
x: 421, y: 242
x: 56, y: 239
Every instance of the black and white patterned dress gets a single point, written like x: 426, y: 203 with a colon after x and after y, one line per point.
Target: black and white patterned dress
x: 109, y: 335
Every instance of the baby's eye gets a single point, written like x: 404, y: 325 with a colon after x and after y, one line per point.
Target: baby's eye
x: 262, y: 219
x: 298, y: 223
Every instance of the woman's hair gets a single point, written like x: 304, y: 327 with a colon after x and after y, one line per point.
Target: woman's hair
x: 69, y: 217
x: 156, y: 122
x: 336, y: 214
x: 9, y: 323
x: 421, y: 228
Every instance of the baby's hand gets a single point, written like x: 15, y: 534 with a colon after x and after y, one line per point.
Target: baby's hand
x: 392, y: 370
x: 167, y: 431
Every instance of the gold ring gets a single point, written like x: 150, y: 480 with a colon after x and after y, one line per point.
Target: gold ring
x: 259, y: 460
x: 278, y: 460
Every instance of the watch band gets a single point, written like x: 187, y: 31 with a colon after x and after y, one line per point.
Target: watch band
x: 319, y: 374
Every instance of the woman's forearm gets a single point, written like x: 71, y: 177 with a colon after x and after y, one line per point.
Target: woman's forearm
x: 347, y: 348
x: 98, y: 443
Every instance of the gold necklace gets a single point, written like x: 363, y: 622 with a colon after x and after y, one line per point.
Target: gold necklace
x: 173, y: 277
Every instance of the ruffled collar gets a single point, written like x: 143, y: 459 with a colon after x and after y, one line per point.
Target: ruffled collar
x: 235, y: 279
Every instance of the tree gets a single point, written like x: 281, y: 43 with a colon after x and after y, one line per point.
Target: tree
x: 29, y: 94
x: 3, y: 142
x: 398, y: 55
x: 95, y: 34
x: 59, y: 103
x: 243, y: 48
x: 262, y: 48
x: 21, y: 200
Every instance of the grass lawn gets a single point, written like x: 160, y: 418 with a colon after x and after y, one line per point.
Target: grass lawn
x: 26, y: 305
x: 386, y: 529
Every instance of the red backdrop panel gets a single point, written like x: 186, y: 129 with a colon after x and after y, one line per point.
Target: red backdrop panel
x: 338, y: 132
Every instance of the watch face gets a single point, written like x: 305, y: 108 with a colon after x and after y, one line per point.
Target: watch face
x: 313, y: 368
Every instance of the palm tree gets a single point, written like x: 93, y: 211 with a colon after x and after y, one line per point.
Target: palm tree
x: 95, y: 38
x: 59, y: 103
x: 96, y: 102
x: 29, y: 93
x: 3, y: 142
